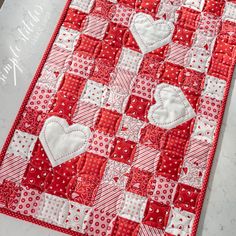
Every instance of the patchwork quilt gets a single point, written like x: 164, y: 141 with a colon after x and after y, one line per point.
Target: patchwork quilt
x: 117, y: 133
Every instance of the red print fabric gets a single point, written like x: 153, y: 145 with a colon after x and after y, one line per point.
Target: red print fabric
x: 117, y: 133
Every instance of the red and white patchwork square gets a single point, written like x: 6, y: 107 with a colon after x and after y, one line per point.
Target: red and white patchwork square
x: 142, y: 162
x: 230, y: 11
x: 28, y: 202
x: 116, y: 174
x: 156, y: 215
x: 204, y: 129
x: 81, y: 65
x: 214, y: 87
x: 133, y: 207
x: 117, y: 99
x: 93, y: 93
x: 108, y: 197
x: 197, y: 59
x: 78, y: 216
x: 179, y: 221
x: 123, y: 150
x: 95, y: 27
x: 52, y: 209
x: 209, y: 107
x: 85, y: 113
x: 67, y: 38
x: 195, y: 4
x: 22, y: 144
x: 130, y: 60
x: 84, y: 6
x: 121, y: 14
x: 130, y: 128
x: 162, y: 190
x: 41, y: 98
x: 108, y: 121
x: 100, y: 144
x: 143, y: 86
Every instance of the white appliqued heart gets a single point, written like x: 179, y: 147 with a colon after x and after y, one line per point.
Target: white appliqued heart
x: 171, y: 108
x: 150, y: 34
x: 62, y: 142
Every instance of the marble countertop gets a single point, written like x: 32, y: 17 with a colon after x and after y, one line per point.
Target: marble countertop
x: 219, y: 212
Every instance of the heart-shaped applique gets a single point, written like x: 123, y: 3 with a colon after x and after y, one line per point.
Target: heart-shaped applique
x: 62, y: 142
x: 150, y: 34
x: 171, y: 108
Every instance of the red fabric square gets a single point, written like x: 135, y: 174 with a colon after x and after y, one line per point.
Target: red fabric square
x: 221, y: 66
x: 74, y: 19
x: 91, y: 164
x: 85, y: 190
x: 101, y: 8
x: 137, y: 107
x: 213, y: 7
x: 130, y: 42
x: 63, y: 105
x: 108, y: 121
x: 109, y: 52
x: 148, y: 6
x: 35, y: 177
x: 124, y: 227
x: 138, y: 181
x: 30, y: 121
x: 123, y: 150
x: 183, y: 35
x: 169, y: 166
x: 150, y: 64
x: 175, y: 143
x: 115, y: 34
x: 169, y: 73
x: 88, y: 45
x: 152, y: 136
x: 186, y: 197
x: 72, y: 84
x: 156, y: 214
x: 129, y: 3
x: 225, y: 45
x: 161, y: 52
x: 57, y: 184
x: 102, y: 71
x: 188, y: 18
x: 192, y: 81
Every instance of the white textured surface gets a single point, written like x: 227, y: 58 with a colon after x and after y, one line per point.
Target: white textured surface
x: 219, y: 210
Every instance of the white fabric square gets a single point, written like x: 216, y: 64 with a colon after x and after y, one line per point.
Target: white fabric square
x: 133, y: 207
x: 93, y: 93
x: 53, y: 209
x: 130, y: 128
x: 130, y: 60
x: 230, y: 12
x: 95, y: 27
x: 83, y: 5
x: 198, y: 59
x: 204, y: 41
x: 115, y: 173
x: 180, y: 222
x: 22, y: 144
x: 195, y: 4
x: 204, y: 129
x: 214, y: 87
x: 78, y: 216
x: 117, y: 99
x: 67, y: 38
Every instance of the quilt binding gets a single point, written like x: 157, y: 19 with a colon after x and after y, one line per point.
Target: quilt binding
x: 26, y: 98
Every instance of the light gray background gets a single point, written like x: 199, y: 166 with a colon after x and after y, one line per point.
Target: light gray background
x: 219, y: 211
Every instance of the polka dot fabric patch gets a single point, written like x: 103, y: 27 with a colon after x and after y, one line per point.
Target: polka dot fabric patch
x: 148, y: 80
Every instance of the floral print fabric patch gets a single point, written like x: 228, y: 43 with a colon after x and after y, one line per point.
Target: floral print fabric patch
x: 118, y: 131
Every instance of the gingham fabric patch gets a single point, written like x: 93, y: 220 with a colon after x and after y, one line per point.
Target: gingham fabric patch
x: 117, y: 133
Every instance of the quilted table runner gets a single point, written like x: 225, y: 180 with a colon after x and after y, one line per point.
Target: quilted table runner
x: 118, y: 130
